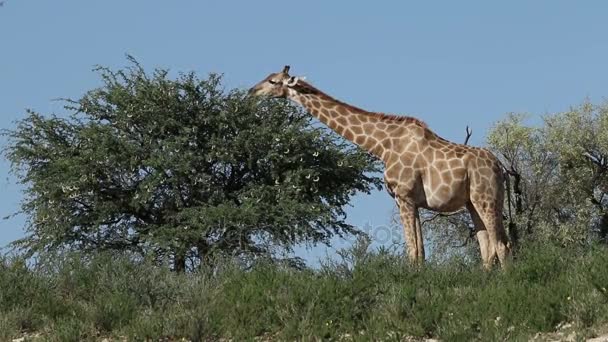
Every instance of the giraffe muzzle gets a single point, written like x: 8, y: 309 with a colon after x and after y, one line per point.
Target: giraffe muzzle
x: 251, y: 91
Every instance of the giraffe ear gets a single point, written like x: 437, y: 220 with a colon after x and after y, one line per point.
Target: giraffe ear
x: 293, y: 80
x: 286, y: 70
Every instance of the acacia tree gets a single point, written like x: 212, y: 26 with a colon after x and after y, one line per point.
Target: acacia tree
x: 181, y: 169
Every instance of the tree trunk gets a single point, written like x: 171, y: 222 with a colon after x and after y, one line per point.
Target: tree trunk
x: 513, y: 229
x: 203, y: 252
x: 518, y: 194
x: 179, y: 262
x: 603, y: 231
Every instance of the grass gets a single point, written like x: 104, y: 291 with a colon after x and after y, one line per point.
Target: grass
x: 365, y: 296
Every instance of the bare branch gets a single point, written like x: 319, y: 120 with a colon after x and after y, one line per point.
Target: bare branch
x: 436, y: 215
x: 597, y: 158
x: 432, y: 218
x: 469, y: 132
x: 467, y: 240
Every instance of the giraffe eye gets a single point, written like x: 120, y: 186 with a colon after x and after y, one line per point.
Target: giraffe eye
x: 272, y: 82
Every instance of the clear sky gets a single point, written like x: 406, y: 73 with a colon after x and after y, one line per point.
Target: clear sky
x: 451, y: 64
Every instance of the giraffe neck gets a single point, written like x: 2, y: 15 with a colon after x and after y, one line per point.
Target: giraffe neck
x: 367, y: 129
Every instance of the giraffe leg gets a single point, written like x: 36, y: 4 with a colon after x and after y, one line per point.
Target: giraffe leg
x: 491, y: 215
x: 487, y: 255
x: 413, y: 237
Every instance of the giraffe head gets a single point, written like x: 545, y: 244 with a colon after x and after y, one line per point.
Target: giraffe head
x: 275, y: 85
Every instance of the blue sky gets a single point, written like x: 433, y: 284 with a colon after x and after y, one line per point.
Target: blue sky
x: 451, y: 64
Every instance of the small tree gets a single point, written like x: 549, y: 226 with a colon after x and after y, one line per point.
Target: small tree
x: 561, y: 171
x: 181, y: 169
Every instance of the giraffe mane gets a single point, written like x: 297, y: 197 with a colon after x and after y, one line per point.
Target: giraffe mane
x: 306, y: 88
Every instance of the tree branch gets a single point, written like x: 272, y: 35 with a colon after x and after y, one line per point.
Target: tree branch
x: 436, y: 215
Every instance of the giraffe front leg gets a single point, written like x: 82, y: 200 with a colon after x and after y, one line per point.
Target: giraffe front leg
x: 411, y: 229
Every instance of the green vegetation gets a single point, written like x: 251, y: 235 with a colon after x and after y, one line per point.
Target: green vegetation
x: 149, y: 175
x: 366, y: 295
x: 561, y: 173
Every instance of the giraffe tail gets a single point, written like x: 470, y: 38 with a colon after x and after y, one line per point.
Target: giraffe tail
x: 512, y: 229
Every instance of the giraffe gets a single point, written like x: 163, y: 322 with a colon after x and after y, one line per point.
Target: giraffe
x: 422, y: 170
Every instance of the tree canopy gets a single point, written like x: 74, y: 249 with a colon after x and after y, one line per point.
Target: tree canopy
x: 181, y: 169
x: 561, y: 173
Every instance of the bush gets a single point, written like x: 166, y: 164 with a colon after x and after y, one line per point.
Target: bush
x: 372, y: 295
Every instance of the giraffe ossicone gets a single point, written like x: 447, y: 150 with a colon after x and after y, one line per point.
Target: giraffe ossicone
x: 422, y: 170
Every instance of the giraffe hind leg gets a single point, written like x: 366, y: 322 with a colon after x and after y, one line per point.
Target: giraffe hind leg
x: 491, y: 216
x: 487, y: 251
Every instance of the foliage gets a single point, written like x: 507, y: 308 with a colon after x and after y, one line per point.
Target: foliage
x: 181, y: 169
x: 366, y: 295
x: 561, y: 173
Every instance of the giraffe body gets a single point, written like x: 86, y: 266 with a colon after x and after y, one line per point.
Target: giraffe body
x: 422, y: 170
